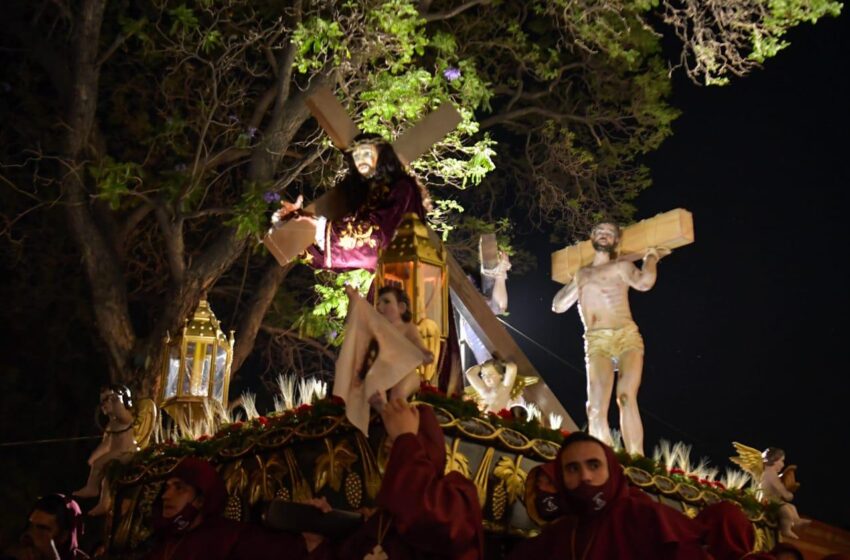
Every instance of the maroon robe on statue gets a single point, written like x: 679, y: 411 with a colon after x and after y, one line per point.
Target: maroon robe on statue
x: 217, y: 538
x: 630, y: 525
x: 354, y: 241
x: 426, y: 514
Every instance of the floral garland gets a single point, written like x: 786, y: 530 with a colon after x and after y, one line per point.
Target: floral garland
x: 238, y: 433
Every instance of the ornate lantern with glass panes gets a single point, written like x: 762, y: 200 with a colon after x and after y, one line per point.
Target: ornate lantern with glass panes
x: 197, y: 366
x: 417, y: 264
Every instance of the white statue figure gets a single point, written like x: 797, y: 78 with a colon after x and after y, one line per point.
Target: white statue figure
x: 494, y: 382
x: 775, y: 486
x: 494, y: 284
x: 118, y: 442
x: 612, y: 340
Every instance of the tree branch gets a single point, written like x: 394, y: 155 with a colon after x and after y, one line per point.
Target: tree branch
x: 447, y: 14
x: 525, y: 111
x: 172, y: 233
x: 252, y: 320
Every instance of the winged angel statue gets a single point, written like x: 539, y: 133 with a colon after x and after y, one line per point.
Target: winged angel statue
x: 774, y: 484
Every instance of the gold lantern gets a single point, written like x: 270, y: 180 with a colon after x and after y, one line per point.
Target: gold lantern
x: 197, y: 367
x: 417, y: 264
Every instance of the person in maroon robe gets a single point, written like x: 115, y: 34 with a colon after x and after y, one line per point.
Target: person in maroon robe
x: 604, y: 517
x: 53, y: 528
x: 421, y: 512
x: 188, y: 522
x: 728, y: 534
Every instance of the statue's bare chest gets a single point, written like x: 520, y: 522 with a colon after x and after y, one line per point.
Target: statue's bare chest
x: 604, y: 277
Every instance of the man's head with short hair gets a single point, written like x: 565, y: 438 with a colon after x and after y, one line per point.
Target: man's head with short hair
x: 55, y: 518
x: 605, y: 237
x: 583, y: 460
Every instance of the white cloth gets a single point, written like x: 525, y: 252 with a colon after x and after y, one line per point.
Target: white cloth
x: 397, y: 357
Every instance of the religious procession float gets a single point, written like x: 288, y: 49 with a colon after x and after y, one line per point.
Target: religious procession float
x: 501, y: 422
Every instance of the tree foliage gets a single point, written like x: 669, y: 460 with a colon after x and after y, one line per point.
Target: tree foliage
x: 158, y: 136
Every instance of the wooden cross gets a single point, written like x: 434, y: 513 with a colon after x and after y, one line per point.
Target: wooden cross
x: 292, y: 238
x: 670, y: 230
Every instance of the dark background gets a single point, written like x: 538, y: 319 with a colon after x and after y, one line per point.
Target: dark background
x: 746, y: 329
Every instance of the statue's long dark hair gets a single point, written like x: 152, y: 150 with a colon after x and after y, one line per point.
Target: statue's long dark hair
x: 390, y: 170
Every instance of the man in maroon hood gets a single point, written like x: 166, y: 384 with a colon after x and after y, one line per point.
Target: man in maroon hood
x: 53, y: 528
x: 728, y: 534
x: 188, y: 522
x: 421, y: 512
x: 604, y: 517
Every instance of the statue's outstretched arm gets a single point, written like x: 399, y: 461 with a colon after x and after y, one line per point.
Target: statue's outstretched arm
x: 642, y: 279
x: 510, y: 374
x: 566, y: 297
x: 473, y: 375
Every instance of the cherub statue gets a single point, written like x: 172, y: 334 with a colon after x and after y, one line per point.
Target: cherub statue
x: 775, y: 484
x: 118, y: 443
x: 494, y: 382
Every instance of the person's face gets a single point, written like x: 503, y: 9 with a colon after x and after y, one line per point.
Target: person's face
x: 177, y: 495
x: 604, y: 238
x: 389, y: 307
x: 584, y: 461
x: 109, y: 402
x: 490, y: 376
x: 43, y: 528
x: 365, y: 158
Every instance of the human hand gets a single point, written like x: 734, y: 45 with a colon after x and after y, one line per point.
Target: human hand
x: 400, y: 418
x: 351, y: 291
x: 657, y: 252
x: 378, y: 400
x: 287, y: 208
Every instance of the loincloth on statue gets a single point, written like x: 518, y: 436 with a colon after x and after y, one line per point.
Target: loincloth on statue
x: 612, y: 343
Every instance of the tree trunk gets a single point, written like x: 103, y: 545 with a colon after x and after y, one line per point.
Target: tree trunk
x: 109, y: 296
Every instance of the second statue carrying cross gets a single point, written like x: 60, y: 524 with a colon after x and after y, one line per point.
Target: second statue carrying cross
x: 598, y: 274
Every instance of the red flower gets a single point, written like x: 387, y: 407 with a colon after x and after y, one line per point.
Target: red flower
x: 428, y: 388
x: 505, y: 414
x: 676, y: 470
x: 718, y: 484
x: 235, y: 426
x: 303, y: 408
x: 204, y: 437
x: 565, y: 433
x: 262, y: 421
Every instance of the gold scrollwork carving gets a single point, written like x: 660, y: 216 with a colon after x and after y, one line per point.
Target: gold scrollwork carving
x: 482, y: 476
x: 371, y: 475
x: 331, y: 465
x: 300, y: 488
x: 455, y: 460
x: 512, y: 476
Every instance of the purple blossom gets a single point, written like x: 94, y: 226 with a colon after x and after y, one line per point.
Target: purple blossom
x: 451, y: 74
x: 271, y: 196
x: 252, y: 132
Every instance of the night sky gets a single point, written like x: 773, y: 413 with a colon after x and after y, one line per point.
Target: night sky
x: 746, y: 329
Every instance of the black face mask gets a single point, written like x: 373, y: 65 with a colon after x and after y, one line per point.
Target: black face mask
x: 588, y: 500
x: 178, y: 524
